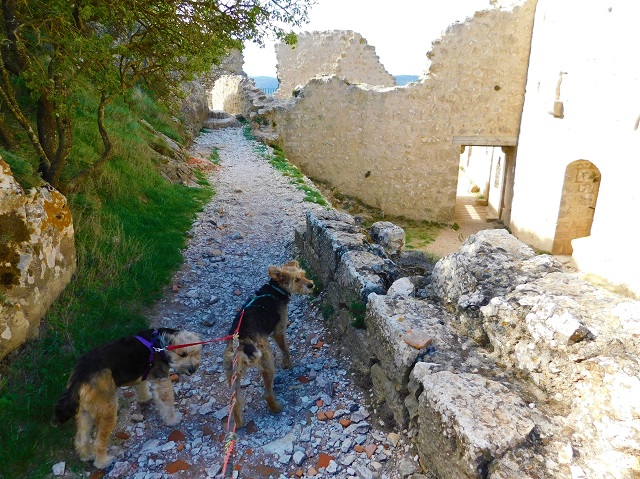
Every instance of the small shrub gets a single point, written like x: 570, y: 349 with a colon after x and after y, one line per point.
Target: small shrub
x: 358, y: 310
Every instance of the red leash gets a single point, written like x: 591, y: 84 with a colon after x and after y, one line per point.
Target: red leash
x: 217, y: 340
x: 230, y: 440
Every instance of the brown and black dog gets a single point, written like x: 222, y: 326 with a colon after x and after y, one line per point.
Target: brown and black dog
x: 130, y: 361
x: 262, y: 316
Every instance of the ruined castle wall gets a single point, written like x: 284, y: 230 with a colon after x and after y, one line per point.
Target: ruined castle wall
x: 393, y: 147
x: 37, y: 257
x: 599, y: 92
x: 342, y: 53
x: 226, y: 94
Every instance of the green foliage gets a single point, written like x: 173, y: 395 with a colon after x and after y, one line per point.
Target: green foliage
x: 328, y: 311
x: 215, y: 156
x: 130, y: 225
x: 23, y: 170
x: 53, y: 48
x: 358, y: 310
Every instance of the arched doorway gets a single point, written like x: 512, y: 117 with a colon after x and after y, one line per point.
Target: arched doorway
x: 577, y: 206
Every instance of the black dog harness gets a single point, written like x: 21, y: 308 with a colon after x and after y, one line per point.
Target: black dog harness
x: 284, y: 293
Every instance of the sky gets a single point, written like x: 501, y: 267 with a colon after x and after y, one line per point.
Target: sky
x: 401, y: 30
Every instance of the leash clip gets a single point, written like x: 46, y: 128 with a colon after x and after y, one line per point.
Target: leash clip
x: 158, y: 350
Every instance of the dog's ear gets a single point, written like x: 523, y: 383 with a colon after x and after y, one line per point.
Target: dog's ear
x: 292, y: 264
x: 276, y: 274
x: 164, y: 339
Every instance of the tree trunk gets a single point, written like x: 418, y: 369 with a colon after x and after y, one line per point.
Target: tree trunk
x: 7, y: 140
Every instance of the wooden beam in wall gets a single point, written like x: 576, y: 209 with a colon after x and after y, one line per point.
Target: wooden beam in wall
x: 485, y: 140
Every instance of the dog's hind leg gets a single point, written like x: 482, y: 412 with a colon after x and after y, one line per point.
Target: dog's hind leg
x: 82, y: 442
x: 164, y: 400
x: 103, y: 406
x: 281, y: 339
x: 143, y: 394
x: 268, y: 369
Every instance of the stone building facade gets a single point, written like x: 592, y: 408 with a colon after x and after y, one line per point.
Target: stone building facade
x: 576, y: 178
x: 37, y: 257
x: 343, y: 53
x: 398, y: 149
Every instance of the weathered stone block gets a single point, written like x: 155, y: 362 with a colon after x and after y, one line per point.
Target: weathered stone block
x: 467, y: 421
x: 388, y: 235
x: 37, y: 257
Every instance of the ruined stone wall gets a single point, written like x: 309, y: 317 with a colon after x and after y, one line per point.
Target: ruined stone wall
x: 37, y: 257
x: 599, y: 93
x: 497, y: 363
x: 393, y: 148
x: 345, y: 54
x: 226, y: 94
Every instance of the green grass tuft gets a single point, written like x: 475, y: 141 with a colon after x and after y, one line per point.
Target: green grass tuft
x: 278, y: 160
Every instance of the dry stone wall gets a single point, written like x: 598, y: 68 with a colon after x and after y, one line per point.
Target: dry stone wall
x: 37, y: 257
x: 393, y: 148
x: 343, y: 53
x: 528, y: 372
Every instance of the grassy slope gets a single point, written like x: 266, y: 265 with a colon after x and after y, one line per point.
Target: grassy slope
x: 130, y: 227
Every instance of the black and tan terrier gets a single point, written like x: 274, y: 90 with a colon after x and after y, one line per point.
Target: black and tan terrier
x: 139, y: 361
x: 262, y: 316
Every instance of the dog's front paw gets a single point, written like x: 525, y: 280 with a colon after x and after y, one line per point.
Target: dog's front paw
x: 274, y: 405
x: 103, y: 462
x: 287, y: 363
x: 173, y: 419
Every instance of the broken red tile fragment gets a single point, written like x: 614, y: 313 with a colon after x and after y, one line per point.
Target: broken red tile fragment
x: 319, y: 403
x: 122, y: 435
x: 251, y: 427
x: 299, y: 473
x: 369, y: 449
x: 207, y: 431
x: 322, y: 416
x: 98, y: 474
x: 329, y: 414
x: 303, y: 379
x: 318, y: 345
x: 345, y: 422
x: 176, y: 436
x: 176, y: 466
x: 358, y: 448
x: 174, y: 377
x: 417, y: 339
x: 180, y: 446
x: 324, y: 460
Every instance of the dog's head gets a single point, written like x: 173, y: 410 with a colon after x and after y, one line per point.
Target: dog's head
x: 291, y: 278
x: 184, y: 360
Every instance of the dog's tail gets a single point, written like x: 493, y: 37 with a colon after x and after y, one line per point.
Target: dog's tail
x: 67, y: 405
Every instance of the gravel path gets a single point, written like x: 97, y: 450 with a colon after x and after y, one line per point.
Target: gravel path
x: 326, y: 428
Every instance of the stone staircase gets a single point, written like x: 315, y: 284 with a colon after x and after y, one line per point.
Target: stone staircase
x: 220, y: 119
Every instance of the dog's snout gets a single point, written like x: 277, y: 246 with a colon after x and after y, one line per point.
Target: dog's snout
x: 310, y: 285
x: 192, y: 369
